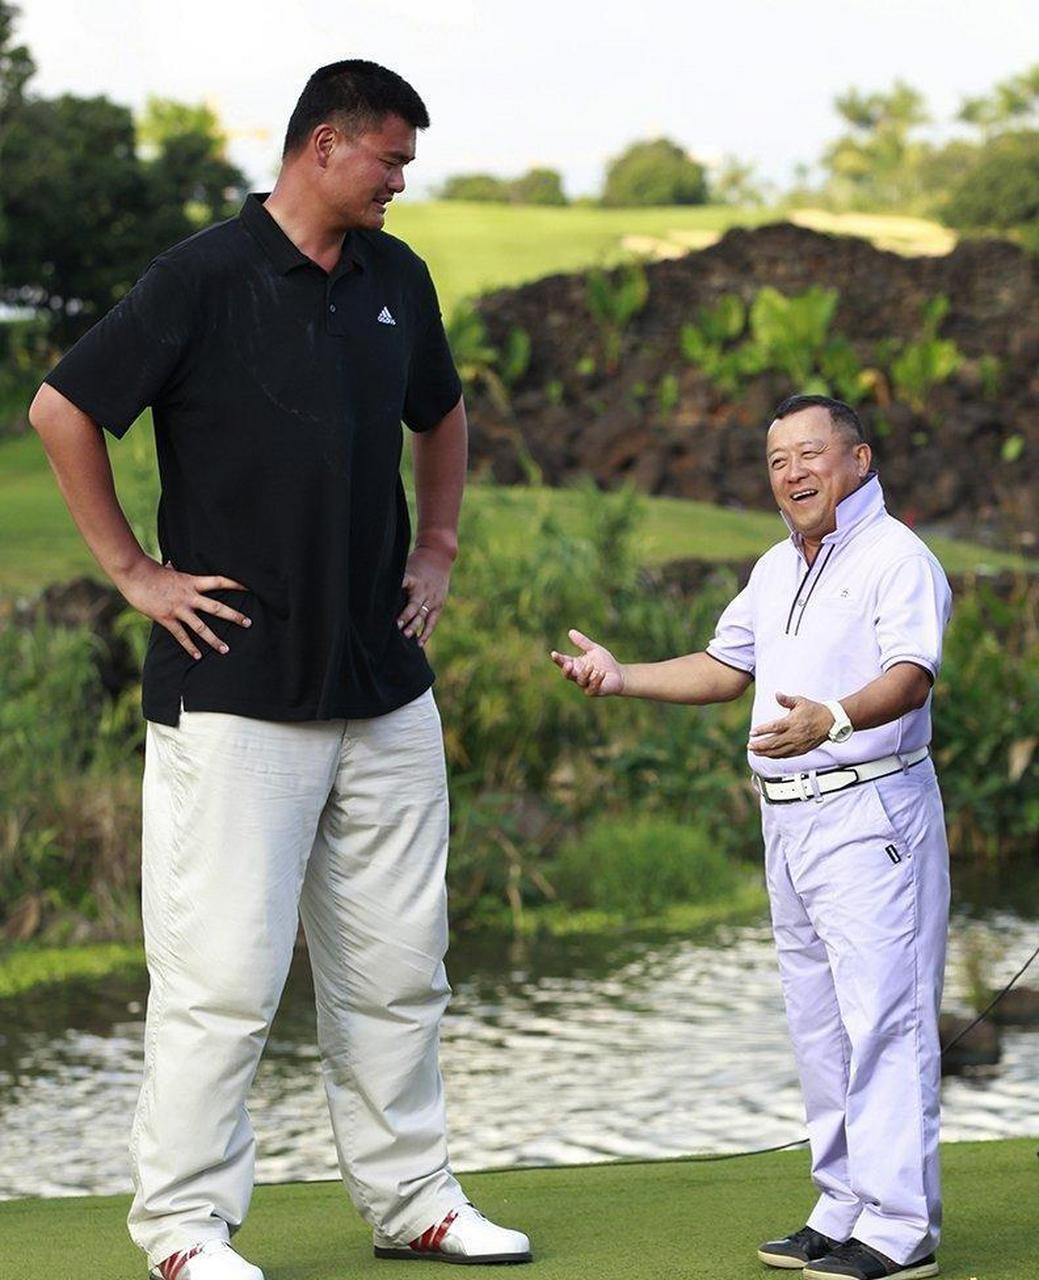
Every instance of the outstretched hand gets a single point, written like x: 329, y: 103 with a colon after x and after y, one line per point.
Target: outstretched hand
x: 795, y: 734
x: 595, y: 669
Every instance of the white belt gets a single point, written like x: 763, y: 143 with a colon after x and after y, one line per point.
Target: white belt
x: 817, y: 783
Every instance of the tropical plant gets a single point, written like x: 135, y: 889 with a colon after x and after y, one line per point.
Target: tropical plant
x: 788, y: 335
x: 613, y: 300
x: 928, y: 361
x: 792, y: 332
x: 668, y: 394
x: 474, y: 356
x: 515, y: 358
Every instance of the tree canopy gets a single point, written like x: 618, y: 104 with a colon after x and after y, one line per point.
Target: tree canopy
x: 90, y: 196
x: 536, y: 186
x: 654, y: 173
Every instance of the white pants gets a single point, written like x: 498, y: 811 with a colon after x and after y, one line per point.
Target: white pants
x: 859, y: 887
x: 248, y: 825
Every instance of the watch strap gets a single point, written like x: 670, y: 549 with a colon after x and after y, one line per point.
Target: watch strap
x: 841, y: 729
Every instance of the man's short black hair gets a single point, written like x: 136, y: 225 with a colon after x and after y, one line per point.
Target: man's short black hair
x: 842, y: 415
x: 358, y: 95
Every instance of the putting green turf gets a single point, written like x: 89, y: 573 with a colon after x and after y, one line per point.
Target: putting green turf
x: 601, y: 1222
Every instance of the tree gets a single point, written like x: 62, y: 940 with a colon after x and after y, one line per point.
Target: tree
x: 734, y: 183
x: 537, y: 186
x: 654, y: 173
x: 1000, y: 190
x: 192, y: 184
x: 994, y: 183
x: 82, y: 212
x: 16, y: 65
x: 483, y: 187
x: 76, y: 208
x: 877, y: 165
x: 1013, y: 103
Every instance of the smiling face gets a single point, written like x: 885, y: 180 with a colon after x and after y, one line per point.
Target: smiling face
x: 360, y: 175
x: 812, y: 465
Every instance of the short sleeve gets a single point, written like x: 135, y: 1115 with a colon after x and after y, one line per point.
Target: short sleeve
x: 733, y: 640
x: 913, y: 606
x: 125, y: 361
x: 434, y: 386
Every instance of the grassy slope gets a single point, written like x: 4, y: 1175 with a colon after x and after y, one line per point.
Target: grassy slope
x: 474, y: 247
x: 471, y: 248
x: 610, y: 1222
x: 39, y: 543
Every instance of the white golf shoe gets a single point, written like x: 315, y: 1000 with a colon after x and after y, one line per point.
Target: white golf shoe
x: 464, y: 1237
x: 214, y: 1260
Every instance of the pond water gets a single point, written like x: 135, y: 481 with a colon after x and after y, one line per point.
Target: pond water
x: 552, y: 1053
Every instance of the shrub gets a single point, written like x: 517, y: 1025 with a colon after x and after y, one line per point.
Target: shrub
x: 481, y: 187
x: 986, y: 713
x: 63, y: 782
x: 639, y: 867
x: 537, y: 186
x: 25, y: 357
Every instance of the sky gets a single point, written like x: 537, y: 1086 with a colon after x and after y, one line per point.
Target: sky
x: 545, y: 82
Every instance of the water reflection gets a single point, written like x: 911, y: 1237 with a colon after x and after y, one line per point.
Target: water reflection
x: 572, y: 1051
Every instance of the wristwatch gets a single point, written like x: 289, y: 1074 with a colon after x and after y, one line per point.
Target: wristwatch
x: 842, y: 728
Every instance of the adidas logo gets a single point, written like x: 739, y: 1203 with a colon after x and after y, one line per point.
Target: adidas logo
x: 384, y: 316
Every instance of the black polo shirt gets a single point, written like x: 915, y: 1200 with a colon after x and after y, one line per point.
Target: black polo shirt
x: 278, y: 392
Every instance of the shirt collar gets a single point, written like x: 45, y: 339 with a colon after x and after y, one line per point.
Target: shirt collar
x: 284, y: 255
x: 860, y: 507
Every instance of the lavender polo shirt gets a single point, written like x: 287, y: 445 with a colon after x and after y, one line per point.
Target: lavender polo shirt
x: 875, y: 596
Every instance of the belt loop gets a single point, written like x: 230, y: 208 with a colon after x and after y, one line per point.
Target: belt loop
x: 802, y: 785
x: 813, y: 780
x: 904, y: 762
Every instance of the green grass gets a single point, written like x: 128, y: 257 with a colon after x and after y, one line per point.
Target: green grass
x: 29, y: 967
x: 471, y: 248
x: 40, y: 544
x: 631, y: 1221
x: 26, y: 966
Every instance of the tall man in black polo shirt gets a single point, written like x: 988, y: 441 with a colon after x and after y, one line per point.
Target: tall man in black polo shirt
x: 294, y: 760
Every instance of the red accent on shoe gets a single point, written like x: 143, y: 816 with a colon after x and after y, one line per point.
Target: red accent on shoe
x: 430, y: 1239
x: 443, y: 1229
x: 171, y: 1267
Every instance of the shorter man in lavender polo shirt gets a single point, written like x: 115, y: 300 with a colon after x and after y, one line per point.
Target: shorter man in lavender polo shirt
x: 840, y: 627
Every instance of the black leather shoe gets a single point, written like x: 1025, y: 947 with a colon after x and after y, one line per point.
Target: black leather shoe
x: 858, y: 1261
x: 794, y: 1251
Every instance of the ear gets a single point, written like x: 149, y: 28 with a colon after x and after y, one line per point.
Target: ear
x: 323, y: 142
x: 863, y: 458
